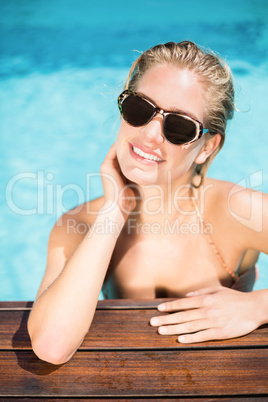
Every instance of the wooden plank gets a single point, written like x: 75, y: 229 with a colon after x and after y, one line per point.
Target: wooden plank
x: 15, y: 305
x: 131, y: 329
x: 118, y: 329
x: 123, y: 399
x: 102, y: 304
x: 137, y: 373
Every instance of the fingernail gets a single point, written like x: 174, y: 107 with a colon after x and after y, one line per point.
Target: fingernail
x: 161, y: 307
x: 154, y: 321
x: 181, y: 339
x: 162, y: 330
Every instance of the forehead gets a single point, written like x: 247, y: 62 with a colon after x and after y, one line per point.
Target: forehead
x: 173, y: 88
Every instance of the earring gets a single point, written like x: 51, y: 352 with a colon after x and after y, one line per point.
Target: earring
x: 197, y: 177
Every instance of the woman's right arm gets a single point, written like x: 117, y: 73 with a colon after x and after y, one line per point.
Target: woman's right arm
x: 68, y: 295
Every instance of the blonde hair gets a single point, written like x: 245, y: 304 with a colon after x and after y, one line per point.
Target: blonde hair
x: 212, y: 72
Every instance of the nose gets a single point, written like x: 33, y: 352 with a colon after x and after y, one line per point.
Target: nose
x: 153, y: 130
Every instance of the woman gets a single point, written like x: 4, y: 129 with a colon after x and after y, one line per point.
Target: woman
x: 161, y: 228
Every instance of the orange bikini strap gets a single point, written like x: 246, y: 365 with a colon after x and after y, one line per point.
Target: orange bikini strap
x: 211, y: 242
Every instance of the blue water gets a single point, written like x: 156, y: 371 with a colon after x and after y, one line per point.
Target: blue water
x: 62, y: 65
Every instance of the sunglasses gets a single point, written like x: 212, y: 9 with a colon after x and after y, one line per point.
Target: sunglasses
x: 138, y: 110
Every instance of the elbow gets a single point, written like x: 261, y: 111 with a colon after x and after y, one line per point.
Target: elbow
x: 51, y: 355
x: 53, y: 346
x: 50, y: 351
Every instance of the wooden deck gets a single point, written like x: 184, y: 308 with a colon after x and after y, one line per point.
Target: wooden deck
x: 124, y: 358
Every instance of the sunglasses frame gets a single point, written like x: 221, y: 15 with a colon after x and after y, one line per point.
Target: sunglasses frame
x: 200, y: 130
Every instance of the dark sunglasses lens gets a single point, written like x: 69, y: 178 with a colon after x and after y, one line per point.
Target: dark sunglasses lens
x: 136, y: 111
x: 179, y: 130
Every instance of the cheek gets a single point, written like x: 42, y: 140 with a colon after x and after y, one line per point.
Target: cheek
x: 122, y: 147
x: 120, y: 142
x: 182, y: 159
x: 124, y: 132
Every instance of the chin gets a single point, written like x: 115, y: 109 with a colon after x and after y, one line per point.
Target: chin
x: 141, y: 177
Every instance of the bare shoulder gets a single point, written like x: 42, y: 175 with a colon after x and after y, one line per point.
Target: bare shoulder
x: 234, y: 199
x: 66, y: 235
x: 242, y: 210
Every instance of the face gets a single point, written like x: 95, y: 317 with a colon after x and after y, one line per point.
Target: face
x: 171, y: 89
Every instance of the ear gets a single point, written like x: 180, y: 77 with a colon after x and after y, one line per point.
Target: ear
x: 208, y: 148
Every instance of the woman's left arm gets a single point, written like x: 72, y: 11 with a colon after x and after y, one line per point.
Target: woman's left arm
x: 223, y: 313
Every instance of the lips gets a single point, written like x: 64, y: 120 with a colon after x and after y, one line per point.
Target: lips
x: 144, y: 155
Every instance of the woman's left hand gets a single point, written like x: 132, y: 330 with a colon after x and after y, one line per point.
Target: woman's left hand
x: 209, y: 314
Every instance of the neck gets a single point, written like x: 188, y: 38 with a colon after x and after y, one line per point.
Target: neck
x: 168, y: 200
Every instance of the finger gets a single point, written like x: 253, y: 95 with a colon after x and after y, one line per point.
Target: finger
x: 110, y: 160
x: 179, y: 318
x: 181, y: 304
x: 110, y: 154
x: 205, y: 291
x: 202, y: 336
x: 186, y: 328
x: 112, y: 151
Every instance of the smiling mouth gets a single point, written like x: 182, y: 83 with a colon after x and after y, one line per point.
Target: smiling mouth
x: 145, y: 155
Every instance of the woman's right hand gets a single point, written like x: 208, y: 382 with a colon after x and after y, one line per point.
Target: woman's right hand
x: 117, y: 189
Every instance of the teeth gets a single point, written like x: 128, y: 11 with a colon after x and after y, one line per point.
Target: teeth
x: 151, y: 157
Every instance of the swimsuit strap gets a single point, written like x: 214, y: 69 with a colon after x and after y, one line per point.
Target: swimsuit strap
x: 234, y: 275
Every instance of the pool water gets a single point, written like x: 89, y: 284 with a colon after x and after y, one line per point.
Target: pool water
x: 62, y: 65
